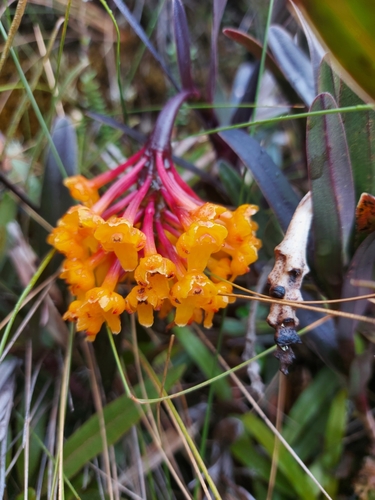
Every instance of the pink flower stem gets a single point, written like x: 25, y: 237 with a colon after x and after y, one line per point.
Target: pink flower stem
x: 167, y: 249
x: 113, y: 274
x: 119, y: 206
x: 181, y: 213
x: 171, y: 218
x: 97, y: 258
x: 177, y: 193
x: 139, y: 216
x: 131, y: 212
x: 172, y: 230
x: 183, y: 184
x: 108, y: 176
x: 148, y: 229
x: 118, y: 188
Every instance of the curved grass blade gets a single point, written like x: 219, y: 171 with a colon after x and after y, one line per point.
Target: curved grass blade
x: 203, y: 358
x: 142, y: 35
x: 7, y: 389
x: 120, y: 415
x: 294, y: 64
x: 332, y: 191
x: 271, y: 181
x: 182, y: 39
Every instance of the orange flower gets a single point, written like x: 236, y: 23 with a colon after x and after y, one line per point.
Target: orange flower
x: 79, y: 274
x: 74, y: 234
x: 218, y: 302
x: 241, y: 243
x: 81, y: 189
x: 152, y: 276
x: 193, y: 291
x: 99, y: 305
x: 118, y: 235
x: 198, y: 243
x: 220, y: 267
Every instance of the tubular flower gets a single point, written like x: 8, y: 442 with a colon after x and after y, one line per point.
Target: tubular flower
x: 150, y: 229
x: 82, y: 190
x: 118, y: 235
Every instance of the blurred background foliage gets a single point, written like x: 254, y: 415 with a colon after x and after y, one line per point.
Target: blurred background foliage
x: 79, y: 93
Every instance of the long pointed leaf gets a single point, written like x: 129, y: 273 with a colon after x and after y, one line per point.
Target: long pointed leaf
x: 271, y: 181
x: 218, y: 11
x: 359, y: 128
x: 182, y: 39
x: 294, y: 64
x: 332, y: 191
x: 142, y: 35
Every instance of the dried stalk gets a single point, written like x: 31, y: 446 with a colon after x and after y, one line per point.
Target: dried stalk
x: 285, y: 281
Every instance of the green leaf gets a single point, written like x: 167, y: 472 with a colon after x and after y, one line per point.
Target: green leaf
x: 347, y: 27
x: 247, y: 454
x: 359, y: 127
x: 335, y: 430
x: 119, y: 416
x: 298, y: 480
x: 332, y: 193
x: 8, y: 210
x: 310, y: 403
x: 204, y: 359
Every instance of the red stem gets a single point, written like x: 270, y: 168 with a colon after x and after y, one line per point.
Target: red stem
x: 168, y: 250
x: 182, y: 183
x: 131, y: 212
x: 119, y: 188
x: 148, y: 229
x: 119, y: 206
x: 108, y: 176
x: 178, y: 194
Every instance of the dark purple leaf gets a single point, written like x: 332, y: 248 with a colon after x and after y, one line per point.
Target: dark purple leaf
x: 160, y: 139
x: 142, y: 35
x: 244, y: 90
x: 315, y: 48
x: 218, y: 10
x: 181, y: 34
x: 294, y: 64
x: 332, y: 192
x: 323, y: 338
x: 255, y: 48
x: 55, y: 198
x: 271, y: 181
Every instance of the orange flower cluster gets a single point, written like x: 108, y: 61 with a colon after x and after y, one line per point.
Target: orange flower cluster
x: 150, y: 229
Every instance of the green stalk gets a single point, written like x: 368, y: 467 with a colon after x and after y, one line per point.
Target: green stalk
x: 269, y: 121
x: 262, y: 59
x: 35, y: 106
x: 118, y: 60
